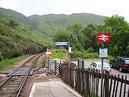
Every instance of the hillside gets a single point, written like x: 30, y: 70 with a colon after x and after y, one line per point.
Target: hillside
x: 17, y: 37
x: 52, y: 22
x: 20, y: 34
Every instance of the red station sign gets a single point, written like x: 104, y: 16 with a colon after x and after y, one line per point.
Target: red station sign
x: 103, y: 37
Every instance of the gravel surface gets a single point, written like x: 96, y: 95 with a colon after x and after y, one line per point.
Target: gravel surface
x: 2, y: 77
x: 38, y: 76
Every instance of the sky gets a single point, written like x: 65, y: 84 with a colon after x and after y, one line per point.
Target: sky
x: 41, y: 7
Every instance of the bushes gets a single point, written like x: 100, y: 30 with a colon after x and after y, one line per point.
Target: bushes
x: 1, y: 58
x: 62, y: 54
x: 85, y: 54
x: 90, y: 55
x: 59, y: 54
x: 76, y: 54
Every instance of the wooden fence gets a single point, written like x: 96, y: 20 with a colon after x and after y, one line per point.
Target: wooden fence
x: 92, y: 83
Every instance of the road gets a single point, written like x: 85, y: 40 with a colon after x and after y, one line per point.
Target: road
x: 113, y: 71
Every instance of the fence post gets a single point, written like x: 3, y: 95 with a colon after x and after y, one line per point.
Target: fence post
x: 74, y: 78
x: 83, y: 64
x: 128, y: 93
x: 77, y: 80
x: 87, y: 84
x: 106, y: 85
x: 70, y: 79
x: 78, y: 63
x: 83, y: 87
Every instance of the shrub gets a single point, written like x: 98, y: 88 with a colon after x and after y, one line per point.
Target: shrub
x: 90, y: 55
x: 1, y: 58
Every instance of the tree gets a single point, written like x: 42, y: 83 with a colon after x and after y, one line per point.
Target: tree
x: 119, y: 30
x: 89, y: 37
x: 61, y: 36
x: 116, y: 23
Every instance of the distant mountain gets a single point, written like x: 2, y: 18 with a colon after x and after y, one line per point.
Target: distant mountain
x: 52, y: 22
x: 20, y: 34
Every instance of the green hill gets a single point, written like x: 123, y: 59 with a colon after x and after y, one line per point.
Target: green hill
x: 51, y: 22
x: 17, y: 36
x: 20, y: 34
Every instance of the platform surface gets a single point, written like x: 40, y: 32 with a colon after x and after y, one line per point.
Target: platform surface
x: 52, y: 89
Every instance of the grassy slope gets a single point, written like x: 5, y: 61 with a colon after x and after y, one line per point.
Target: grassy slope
x: 19, y: 39
x: 8, y: 63
x: 52, y: 22
x: 39, y: 24
x: 25, y: 29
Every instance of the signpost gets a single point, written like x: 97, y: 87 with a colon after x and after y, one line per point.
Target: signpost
x: 102, y: 38
x: 69, y: 48
x: 103, y: 52
x: 61, y: 43
x: 69, y: 51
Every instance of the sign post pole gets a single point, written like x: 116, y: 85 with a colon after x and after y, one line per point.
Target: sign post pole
x: 68, y: 53
x: 68, y: 46
x: 102, y: 59
x: 48, y: 63
x: 103, y: 38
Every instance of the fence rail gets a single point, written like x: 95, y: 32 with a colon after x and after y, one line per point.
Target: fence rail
x: 93, y: 83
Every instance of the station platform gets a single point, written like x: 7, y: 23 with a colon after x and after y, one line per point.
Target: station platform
x: 52, y: 88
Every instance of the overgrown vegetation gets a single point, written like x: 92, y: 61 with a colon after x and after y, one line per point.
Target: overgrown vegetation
x: 59, y: 54
x: 83, y: 38
x: 8, y: 63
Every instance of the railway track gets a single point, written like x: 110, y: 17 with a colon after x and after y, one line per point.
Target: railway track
x: 12, y: 86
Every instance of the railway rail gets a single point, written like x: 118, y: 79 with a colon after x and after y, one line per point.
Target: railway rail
x: 12, y: 86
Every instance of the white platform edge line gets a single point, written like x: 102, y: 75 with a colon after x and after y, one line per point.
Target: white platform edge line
x: 32, y: 91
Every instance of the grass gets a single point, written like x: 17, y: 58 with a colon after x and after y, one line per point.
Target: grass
x: 8, y: 63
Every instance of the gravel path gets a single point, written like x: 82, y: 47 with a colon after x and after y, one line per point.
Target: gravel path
x: 38, y: 76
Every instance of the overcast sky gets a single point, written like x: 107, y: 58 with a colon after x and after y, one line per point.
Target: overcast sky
x: 100, y: 7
